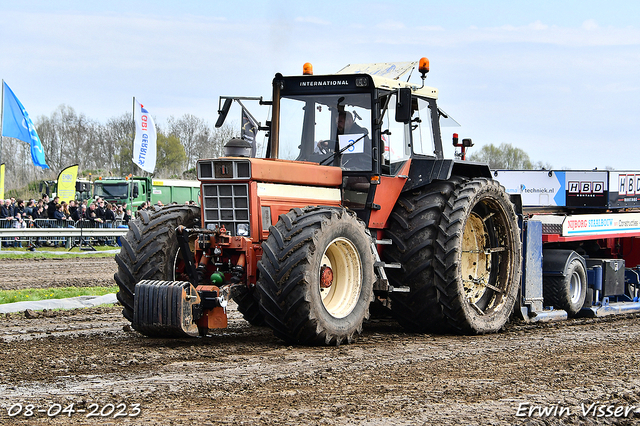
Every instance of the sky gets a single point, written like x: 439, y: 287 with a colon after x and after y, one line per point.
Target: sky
x: 558, y: 79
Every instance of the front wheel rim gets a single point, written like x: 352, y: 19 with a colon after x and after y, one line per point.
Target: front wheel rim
x: 341, y: 296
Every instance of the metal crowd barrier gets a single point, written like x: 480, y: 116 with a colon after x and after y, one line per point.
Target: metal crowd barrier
x: 68, y: 233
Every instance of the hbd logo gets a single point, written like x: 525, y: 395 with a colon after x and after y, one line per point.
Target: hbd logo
x: 586, y: 187
x: 628, y: 185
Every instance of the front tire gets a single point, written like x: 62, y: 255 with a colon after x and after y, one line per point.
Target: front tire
x: 150, y: 250
x: 478, y: 257
x: 248, y: 301
x: 316, y: 276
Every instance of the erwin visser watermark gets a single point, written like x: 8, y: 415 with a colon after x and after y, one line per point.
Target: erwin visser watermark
x: 595, y: 409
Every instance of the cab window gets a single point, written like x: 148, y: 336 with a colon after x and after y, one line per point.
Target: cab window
x: 314, y: 127
x: 396, y: 139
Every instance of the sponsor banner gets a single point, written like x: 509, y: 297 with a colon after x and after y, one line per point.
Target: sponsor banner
x: 537, y: 187
x: 144, y: 143
x: 601, y: 224
x: 586, y: 189
x: 67, y: 183
x: 624, y: 189
x: 545, y: 188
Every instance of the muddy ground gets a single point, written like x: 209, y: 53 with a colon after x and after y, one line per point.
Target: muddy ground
x: 84, y: 271
x: 90, y: 360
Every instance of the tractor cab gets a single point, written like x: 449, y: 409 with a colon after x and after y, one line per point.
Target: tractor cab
x: 362, y: 119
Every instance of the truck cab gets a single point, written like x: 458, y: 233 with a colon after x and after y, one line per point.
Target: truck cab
x: 133, y: 191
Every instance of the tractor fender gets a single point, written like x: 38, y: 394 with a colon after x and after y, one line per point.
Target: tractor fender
x: 423, y: 171
x: 556, y: 261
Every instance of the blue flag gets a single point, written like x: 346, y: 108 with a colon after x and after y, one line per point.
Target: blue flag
x: 17, y: 124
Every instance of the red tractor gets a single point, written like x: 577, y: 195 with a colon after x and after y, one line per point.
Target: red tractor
x: 352, y: 204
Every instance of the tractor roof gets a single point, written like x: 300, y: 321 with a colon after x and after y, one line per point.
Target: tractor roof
x: 386, y: 75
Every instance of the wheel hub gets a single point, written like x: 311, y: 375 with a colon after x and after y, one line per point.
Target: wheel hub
x: 475, y: 261
x: 326, y: 276
x: 340, y: 277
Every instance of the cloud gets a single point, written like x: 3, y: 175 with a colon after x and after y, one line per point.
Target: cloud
x: 538, y: 26
x: 590, y: 24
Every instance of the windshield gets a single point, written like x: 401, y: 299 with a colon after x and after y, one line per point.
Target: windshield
x: 111, y: 190
x: 317, y: 127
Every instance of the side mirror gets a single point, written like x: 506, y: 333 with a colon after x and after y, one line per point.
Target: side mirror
x: 223, y: 112
x: 403, y: 106
x: 135, y: 191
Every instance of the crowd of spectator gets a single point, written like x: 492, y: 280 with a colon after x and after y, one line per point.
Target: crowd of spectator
x: 87, y: 213
x: 97, y: 213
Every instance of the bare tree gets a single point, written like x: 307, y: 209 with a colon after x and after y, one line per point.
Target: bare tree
x: 215, y: 145
x: 118, y: 134
x: 193, y: 133
x: 67, y: 138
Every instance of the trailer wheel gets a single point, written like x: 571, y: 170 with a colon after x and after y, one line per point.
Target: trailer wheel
x: 478, y: 257
x: 150, y: 250
x: 413, y: 229
x: 316, y: 276
x: 567, y: 292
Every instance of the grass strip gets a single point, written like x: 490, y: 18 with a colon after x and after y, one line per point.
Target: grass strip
x: 55, y: 252
x: 31, y: 294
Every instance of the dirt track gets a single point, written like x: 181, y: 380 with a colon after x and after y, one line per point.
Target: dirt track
x: 64, y: 272
x: 243, y: 375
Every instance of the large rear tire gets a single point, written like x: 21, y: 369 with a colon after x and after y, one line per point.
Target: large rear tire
x: 316, y: 276
x: 413, y: 229
x: 478, y: 254
x: 150, y: 250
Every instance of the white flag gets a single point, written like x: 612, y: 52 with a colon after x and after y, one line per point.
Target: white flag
x: 144, y: 143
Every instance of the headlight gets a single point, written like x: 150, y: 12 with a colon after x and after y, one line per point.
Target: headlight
x: 242, y: 230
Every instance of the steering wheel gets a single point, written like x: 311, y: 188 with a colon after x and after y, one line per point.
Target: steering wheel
x: 326, y: 146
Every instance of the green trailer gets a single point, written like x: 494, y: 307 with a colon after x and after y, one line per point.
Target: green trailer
x: 168, y: 191
x: 137, y: 190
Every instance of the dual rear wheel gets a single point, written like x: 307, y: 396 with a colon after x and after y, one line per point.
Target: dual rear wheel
x: 459, y: 245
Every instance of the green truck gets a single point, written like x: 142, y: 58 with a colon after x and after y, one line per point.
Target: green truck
x: 136, y: 190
